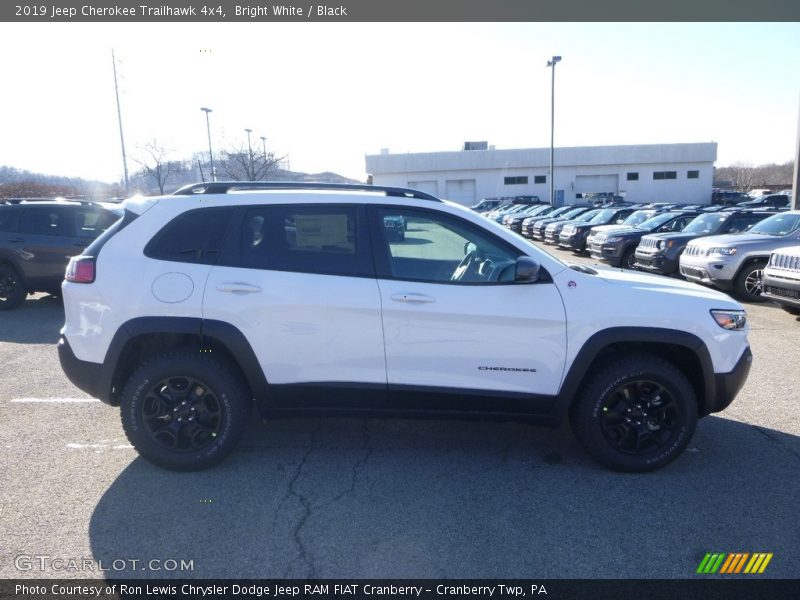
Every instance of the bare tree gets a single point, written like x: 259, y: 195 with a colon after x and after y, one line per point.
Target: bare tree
x: 156, y: 166
x: 242, y: 163
x: 744, y: 176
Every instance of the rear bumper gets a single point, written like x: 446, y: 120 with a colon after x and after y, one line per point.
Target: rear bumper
x: 86, y: 376
x: 727, y: 385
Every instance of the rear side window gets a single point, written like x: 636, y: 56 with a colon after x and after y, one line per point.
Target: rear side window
x: 328, y: 240
x: 43, y: 220
x: 195, y: 236
x: 8, y: 219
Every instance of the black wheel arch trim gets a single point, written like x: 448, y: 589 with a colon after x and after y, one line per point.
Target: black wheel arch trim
x: 207, y: 330
x: 601, y: 340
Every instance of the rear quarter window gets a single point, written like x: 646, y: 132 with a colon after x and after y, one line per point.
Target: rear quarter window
x: 195, y: 236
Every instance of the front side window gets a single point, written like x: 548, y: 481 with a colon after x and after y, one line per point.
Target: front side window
x: 43, y: 220
x: 326, y: 240
x: 8, y: 219
x: 440, y: 248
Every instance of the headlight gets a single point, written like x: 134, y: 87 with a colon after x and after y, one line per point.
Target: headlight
x: 730, y: 319
x: 568, y: 229
x: 662, y: 244
x: 723, y: 251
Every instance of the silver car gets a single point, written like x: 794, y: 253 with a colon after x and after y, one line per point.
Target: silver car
x: 735, y: 262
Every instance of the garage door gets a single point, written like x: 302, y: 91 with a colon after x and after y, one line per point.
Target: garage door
x: 431, y: 187
x: 461, y: 191
x: 593, y: 184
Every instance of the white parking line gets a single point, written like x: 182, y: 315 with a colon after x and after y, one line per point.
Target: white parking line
x: 53, y: 400
x: 98, y: 447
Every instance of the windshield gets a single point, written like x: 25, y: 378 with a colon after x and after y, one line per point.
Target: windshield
x: 603, y: 216
x: 705, y: 224
x: 588, y: 215
x: 572, y: 213
x: 657, y: 221
x: 543, y: 208
x: 782, y: 224
x: 640, y: 216
x: 560, y: 211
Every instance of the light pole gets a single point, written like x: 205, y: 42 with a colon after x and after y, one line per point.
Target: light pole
x: 119, y: 117
x: 264, y: 146
x: 251, y: 171
x: 210, y: 153
x: 552, y: 64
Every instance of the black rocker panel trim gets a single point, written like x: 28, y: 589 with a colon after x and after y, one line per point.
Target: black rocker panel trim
x: 380, y: 400
x: 647, y: 335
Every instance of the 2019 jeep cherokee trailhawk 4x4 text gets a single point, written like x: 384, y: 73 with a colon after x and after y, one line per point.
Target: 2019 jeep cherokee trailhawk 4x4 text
x: 298, y: 297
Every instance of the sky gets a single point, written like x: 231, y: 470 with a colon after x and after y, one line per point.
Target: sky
x: 326, y: 94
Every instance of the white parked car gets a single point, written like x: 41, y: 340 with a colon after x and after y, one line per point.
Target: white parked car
x: 299, y: 298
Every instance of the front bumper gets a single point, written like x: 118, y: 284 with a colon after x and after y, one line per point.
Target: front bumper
x: 611, y: 253
x: 727, y: 385
x: 572, y: 241
x: 709, y: 270
x: 656, y: 263
x: 782, y: 290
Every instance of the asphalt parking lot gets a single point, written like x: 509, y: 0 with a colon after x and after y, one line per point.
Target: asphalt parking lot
x: 389, y: 498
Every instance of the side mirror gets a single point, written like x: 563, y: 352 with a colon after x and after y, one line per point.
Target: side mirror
x: 527, y: 270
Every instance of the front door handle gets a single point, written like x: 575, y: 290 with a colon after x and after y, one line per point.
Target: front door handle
x: 17, y: 241
x: 412, y: 298
x: 238, y: 288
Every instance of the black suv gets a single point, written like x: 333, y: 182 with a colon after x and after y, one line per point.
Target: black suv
x: 767, y: 201
x: 661, y: 252
x: 37, y: 239
x: 618, y: 246
x: 574, y: 235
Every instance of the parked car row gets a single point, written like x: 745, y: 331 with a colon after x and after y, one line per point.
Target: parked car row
x: 728, y: 249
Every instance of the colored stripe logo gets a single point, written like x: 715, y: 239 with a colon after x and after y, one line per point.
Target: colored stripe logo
x: 734, y: 562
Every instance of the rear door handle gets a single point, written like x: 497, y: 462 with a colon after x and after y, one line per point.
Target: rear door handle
x: 413, y: 298
x: 238, y: 288
x: 17, y: 241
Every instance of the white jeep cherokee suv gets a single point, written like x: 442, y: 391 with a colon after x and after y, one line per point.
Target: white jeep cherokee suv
x: 302, y: 299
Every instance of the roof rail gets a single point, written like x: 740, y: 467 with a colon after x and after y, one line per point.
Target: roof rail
x: 225, y: 186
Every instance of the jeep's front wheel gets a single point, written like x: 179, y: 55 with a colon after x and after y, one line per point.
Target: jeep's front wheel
x: 184, y: 411
x: 749, y: 283
x: 635, y: 414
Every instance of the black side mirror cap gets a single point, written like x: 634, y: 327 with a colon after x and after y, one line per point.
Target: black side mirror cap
x: 527, y: 270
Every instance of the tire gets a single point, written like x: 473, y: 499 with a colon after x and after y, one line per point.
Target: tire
x: 212, y: 419
x: 635, y: 414
x: 749, y: 282
x: 12, y: 288
x: 628, y: 259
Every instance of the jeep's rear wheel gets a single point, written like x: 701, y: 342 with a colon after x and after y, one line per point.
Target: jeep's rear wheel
x: 749, y: 283
x: 635, y: 415
x: 12, y: 288
x: 184, y: 411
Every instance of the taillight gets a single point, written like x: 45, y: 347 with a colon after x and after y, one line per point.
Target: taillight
x: 80, y: 269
